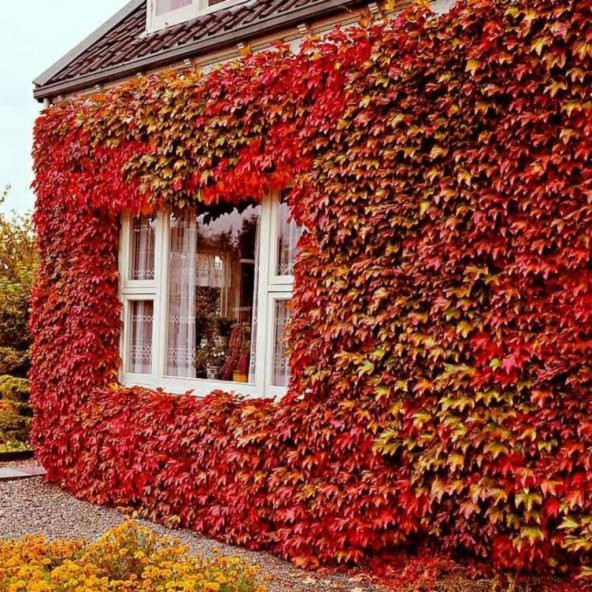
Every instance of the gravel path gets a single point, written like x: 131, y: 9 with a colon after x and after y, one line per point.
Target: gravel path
x: 32, y: 507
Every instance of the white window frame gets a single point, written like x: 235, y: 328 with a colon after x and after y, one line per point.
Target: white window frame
x: 270, y: 288
x: 157, y: 22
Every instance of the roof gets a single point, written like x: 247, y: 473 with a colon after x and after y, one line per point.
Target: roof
x: 121, y: 47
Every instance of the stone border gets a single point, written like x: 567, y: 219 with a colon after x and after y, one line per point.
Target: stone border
x: 8, y: 474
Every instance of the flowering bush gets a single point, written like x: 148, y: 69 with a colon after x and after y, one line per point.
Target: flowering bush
x: 442, y: 327
x: 128, y: 558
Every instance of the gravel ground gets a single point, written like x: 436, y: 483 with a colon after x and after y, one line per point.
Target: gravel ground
x: 31, y: 506
x: 18, y: 464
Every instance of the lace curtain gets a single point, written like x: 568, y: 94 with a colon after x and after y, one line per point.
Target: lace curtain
x: 211, y: 271
x: 281, y: 360
x: 289, y: 234
x: 140, y: 336
x: 143, y: 248
x: 253, y: 360
x: 182, y: 297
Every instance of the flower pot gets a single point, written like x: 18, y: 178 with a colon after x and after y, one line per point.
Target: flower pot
x: 213, y: 372
x: 240, y: 376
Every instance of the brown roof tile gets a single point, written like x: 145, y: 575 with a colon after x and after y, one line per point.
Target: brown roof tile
x: 122, y: 44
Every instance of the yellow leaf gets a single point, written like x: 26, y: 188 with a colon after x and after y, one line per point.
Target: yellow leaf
x: 473, y: 65
x: 538, y: 45
x: 438, y: 151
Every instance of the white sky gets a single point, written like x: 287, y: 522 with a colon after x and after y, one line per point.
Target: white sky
x: 33, y: 35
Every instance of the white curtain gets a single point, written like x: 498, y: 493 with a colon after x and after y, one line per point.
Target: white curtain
x: 289, y: 234
x: 252, y: 362
x: 143, y: 248
x: 281, y: 360
x: 182, y: 293
x: 140, y: 346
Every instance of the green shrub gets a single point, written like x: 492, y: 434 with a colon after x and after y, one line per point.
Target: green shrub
x: 17, y: 273
x: 13, y: 426
x: 14, y: 389
x: 15, y: 412
x: 13, y: 361
x: 13, y: 446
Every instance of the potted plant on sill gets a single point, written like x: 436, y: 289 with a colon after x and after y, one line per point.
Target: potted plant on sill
x: 209, y: 360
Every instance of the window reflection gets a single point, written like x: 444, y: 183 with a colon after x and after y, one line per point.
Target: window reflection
x: 212, y: 294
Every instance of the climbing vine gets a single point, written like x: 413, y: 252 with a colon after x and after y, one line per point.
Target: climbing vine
x: 442, y: 318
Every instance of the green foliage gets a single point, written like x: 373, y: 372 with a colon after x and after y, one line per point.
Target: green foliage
x: 17, y: 271
x: 13, y: 360
x: 14, y: 389
x: 15, y: 413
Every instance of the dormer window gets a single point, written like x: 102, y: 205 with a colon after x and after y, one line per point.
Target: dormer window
x: 166, y: 13
x: 165, y: 6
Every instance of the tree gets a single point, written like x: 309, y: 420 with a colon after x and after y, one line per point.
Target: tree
x: 17, y: 272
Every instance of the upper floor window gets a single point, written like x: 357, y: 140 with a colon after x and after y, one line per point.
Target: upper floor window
x: 164, y: 6
x: 165, y: 13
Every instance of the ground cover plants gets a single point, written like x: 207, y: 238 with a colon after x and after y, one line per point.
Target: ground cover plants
x: 128, y: 558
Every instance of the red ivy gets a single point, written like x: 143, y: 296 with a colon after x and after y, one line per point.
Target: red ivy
x: 442, y: 329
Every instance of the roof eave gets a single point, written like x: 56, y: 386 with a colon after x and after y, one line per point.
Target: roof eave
x: 87, y: 42
x: 177, y: 54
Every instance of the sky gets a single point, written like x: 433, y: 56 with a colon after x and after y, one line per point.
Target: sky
x: 35, y: 34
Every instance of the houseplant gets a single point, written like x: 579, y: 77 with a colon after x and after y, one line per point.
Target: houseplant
x: 208, y: 360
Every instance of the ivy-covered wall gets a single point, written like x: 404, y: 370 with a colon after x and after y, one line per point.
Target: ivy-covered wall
x: 442, y: 330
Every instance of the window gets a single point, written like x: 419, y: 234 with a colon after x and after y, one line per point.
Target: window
x: 207, y: 298
x: 164, y: 6
x: 139, y: 347
x: 143, y: 244
x: 164, y: 13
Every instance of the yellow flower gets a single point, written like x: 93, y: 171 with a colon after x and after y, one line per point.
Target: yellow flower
x: 128, y: 558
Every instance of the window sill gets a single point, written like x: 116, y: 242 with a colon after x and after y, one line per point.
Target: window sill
x: 199, y: 388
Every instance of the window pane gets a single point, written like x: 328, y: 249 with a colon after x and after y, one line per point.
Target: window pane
x: 281, y: 359
x: 143, y: 248
x: 288, y: 235
x: 164, y: 6
x: 139, y: 347
x: 212, y: 294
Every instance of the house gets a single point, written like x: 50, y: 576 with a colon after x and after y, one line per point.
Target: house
x: 235, y: 269
x: 406, y: 196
